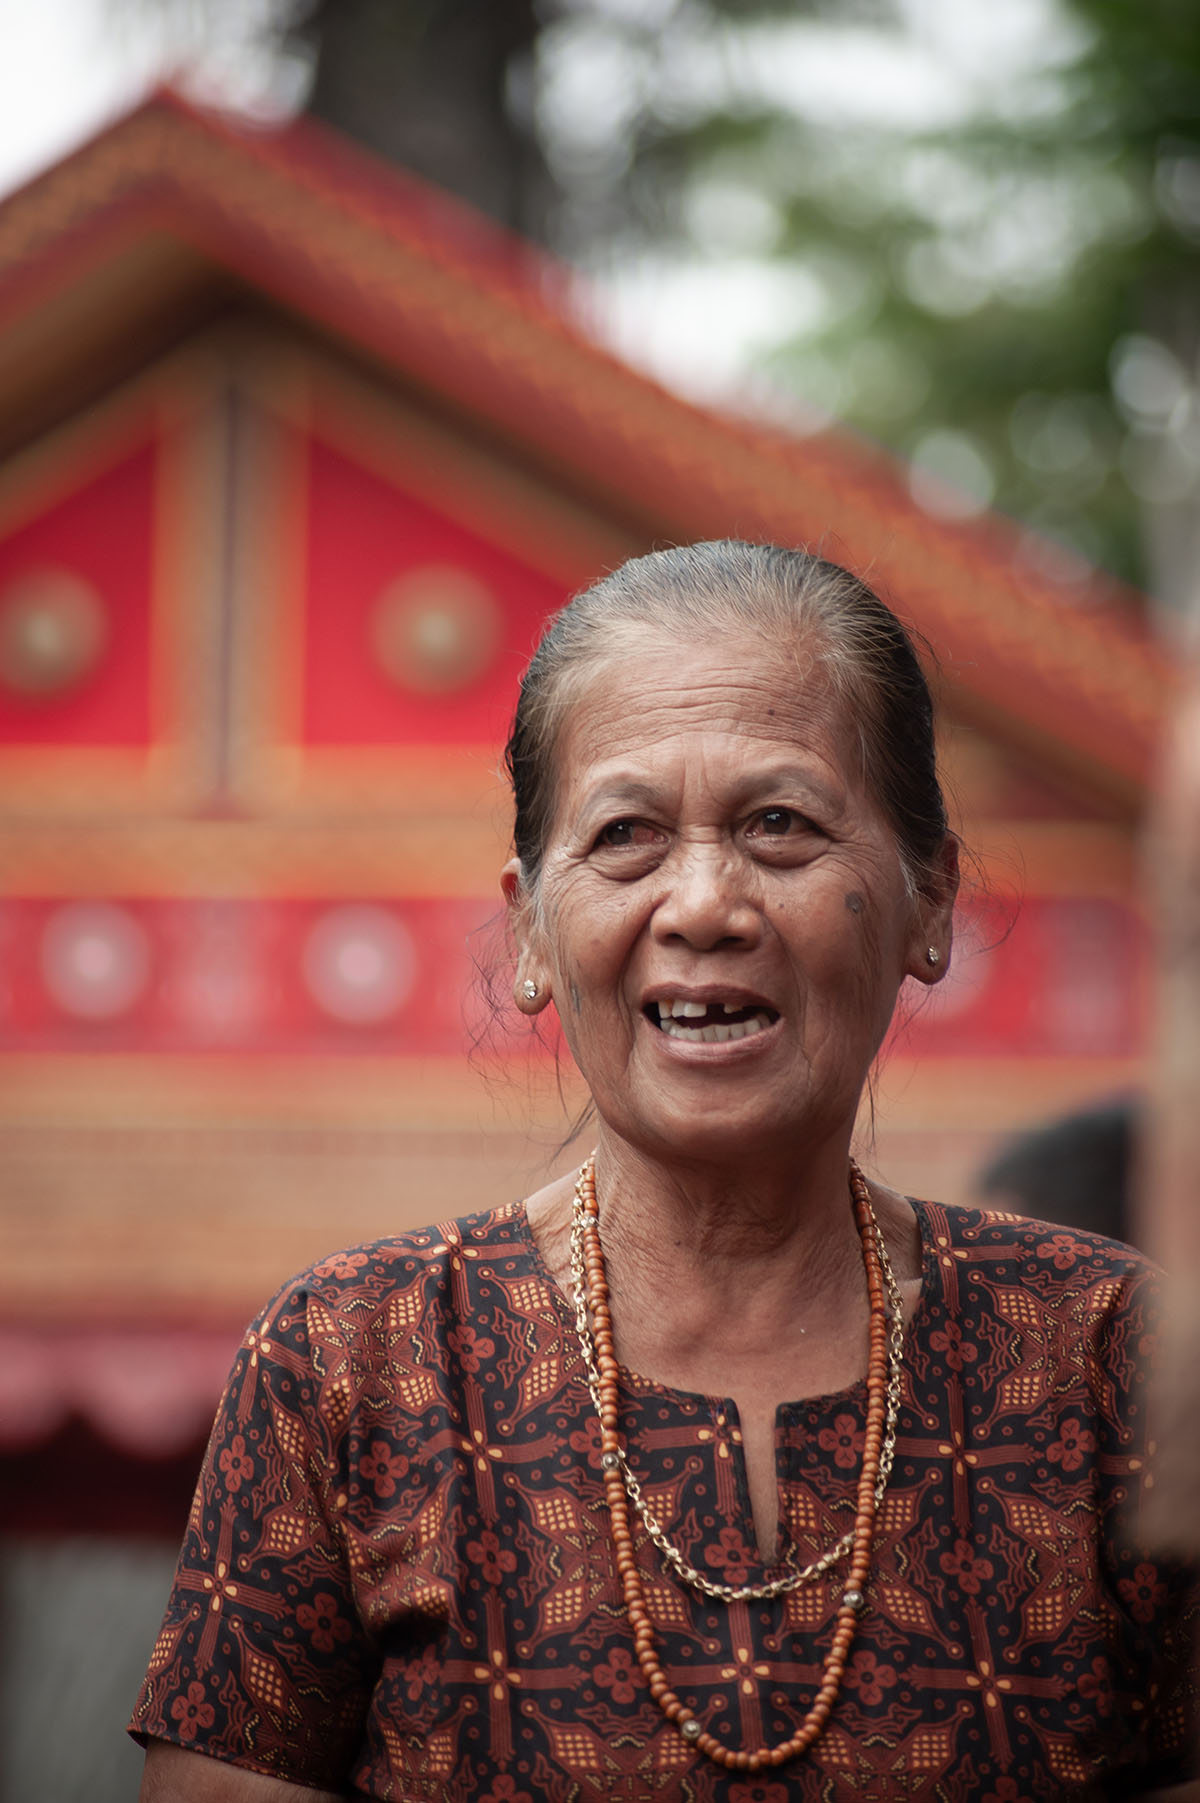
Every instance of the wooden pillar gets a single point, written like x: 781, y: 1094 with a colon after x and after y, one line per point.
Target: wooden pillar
x: 1170, y: 1191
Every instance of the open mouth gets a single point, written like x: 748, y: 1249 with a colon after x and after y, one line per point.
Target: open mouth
x: 710, y: 1023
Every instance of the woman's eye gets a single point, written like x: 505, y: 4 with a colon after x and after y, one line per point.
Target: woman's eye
x: 786, y: 824
x: 620, y: 833
x: 778, y: 822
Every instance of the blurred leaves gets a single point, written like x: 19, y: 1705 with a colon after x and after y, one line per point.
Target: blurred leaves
x: 983, y: 281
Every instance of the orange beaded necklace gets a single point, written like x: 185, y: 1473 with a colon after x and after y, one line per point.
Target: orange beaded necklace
x: 593, y: 1321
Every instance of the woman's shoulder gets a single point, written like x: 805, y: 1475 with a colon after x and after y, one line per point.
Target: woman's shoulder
x: 357, y: 1280
x: 1021, y: 1247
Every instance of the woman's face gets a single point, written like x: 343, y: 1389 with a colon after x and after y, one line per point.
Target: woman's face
x: 723, y: 921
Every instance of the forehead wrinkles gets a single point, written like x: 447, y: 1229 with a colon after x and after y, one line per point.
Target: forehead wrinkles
x: 744, y: 684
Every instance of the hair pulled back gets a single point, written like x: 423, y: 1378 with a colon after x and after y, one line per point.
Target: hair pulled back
x: 792, y: 599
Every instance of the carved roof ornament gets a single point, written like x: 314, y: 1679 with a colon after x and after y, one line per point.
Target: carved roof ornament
x: 435, y: 629
x: 53, y: 631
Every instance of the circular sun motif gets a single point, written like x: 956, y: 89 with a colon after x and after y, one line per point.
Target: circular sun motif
x: 435, y: 629
x: 359, y: 964
x: 53, y: 631
x: 95, y: 960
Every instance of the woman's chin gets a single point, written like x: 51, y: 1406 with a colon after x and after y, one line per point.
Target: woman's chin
x: 666, y: 1123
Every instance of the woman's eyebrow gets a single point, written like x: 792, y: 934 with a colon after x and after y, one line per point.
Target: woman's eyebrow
x: 629, y: 793
x: 789, y: 776
x: 619, y: 792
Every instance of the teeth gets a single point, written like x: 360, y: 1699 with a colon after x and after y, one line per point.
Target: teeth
x: 679, y: 1009
x: 716, y: 1034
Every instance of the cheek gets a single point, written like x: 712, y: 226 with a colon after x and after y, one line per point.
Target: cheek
x: 879, y: 944
x: 587, y: 934
x: 845, y: 945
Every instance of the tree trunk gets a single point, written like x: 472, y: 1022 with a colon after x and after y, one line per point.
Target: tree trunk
x: 436, y: 85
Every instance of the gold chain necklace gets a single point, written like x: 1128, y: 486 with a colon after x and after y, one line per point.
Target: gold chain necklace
x: 593, y: 1325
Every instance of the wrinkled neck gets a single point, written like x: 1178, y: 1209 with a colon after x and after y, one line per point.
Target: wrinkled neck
x: 727, y: 1225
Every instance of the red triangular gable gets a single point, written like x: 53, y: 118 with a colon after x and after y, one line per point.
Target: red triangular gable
x: 170, y: 204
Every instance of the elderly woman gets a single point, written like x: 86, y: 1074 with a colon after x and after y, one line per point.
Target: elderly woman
x: 719, y: 1472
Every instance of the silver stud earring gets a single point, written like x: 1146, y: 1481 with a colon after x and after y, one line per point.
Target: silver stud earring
x: 933, y: 956
x: 529, y: 990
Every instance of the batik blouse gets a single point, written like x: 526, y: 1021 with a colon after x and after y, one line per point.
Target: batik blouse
x: 398, y: 1578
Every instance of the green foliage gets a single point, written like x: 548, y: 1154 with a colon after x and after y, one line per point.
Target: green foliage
x: 989, y: 286
x: 993, y: 293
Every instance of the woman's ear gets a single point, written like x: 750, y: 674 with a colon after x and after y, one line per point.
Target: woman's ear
x: 531, y: 982
x: 933, y: 933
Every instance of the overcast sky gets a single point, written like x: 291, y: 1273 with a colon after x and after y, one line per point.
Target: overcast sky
x: 62, y: 74
x: 69, y: 66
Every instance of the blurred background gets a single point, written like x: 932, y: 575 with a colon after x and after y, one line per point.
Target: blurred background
x: 339, y: 342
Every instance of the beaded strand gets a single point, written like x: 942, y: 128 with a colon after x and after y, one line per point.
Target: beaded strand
x: 882, y: 1401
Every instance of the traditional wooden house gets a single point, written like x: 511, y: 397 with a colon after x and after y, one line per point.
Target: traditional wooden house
x: 295, y: 456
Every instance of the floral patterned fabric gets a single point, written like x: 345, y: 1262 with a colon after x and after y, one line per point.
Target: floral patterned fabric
x: 398, y: 1579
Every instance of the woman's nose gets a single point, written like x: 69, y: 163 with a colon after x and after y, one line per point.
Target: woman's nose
x: 707, y: 902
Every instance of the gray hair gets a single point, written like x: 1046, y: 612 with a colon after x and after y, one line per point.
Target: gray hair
x: 698, y: 592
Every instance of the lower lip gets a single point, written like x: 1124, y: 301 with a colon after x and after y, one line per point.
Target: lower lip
x: 721, y: 1051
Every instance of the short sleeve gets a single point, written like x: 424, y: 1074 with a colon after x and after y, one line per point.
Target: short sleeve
x: 1158, y: 1600
x: 262, y: 1660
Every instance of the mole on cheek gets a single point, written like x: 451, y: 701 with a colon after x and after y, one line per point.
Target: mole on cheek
x: 854, y: 902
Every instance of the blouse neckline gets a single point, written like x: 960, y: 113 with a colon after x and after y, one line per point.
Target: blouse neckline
x: 649, y: 1386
